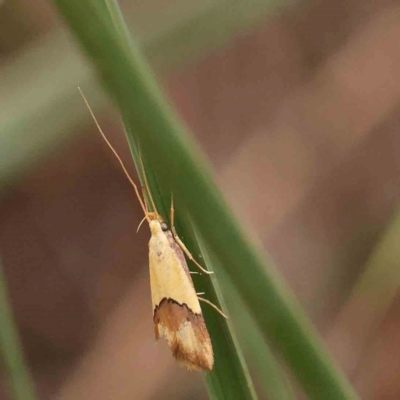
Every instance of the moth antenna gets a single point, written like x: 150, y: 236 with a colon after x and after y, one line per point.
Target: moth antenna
x: 144, y: 197
x: 146, y: 184
x: 141, y: 222
x: 117, y: 156
x: 213, y: 306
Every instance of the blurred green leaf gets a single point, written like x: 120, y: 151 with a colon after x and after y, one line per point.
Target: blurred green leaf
x: 370, y: 298
x: 19, y: 379
x: 38, y: 108
x: 380, y: 280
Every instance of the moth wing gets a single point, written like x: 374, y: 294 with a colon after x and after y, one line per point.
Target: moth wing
x: 169, y: 274
x: 186, y: 334
x: 177, y: 313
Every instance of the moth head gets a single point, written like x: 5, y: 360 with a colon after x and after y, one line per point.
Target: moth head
x: 156, y: 223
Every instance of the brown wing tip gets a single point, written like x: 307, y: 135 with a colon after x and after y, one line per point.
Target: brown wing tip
x: 205, y: 366
x: 186, y: 334
x: 199, y: 359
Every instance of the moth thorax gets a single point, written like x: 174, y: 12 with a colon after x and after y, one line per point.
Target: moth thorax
x: 155, y: 227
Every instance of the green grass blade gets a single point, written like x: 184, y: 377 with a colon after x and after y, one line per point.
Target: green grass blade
x: 271, y: 379
x: 268, y: 374
x: 229, y: 378
x: 182, y: 170
x: 19, y: 379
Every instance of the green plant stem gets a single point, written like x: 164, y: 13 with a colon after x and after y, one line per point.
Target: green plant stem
x: 182, y: 170
x: 20, y: 381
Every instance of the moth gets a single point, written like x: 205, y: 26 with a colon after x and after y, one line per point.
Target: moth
x: 177, y: 313
x: 176, y: 309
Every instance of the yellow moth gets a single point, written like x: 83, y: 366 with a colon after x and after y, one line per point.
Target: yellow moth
x: 177, y: 313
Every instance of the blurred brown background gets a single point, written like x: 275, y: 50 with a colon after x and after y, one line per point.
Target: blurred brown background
x: 299, y: 115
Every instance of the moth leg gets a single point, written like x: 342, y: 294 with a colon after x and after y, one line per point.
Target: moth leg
x: 213, y: 306
x: 189, y: 254
x: 181, y: 244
